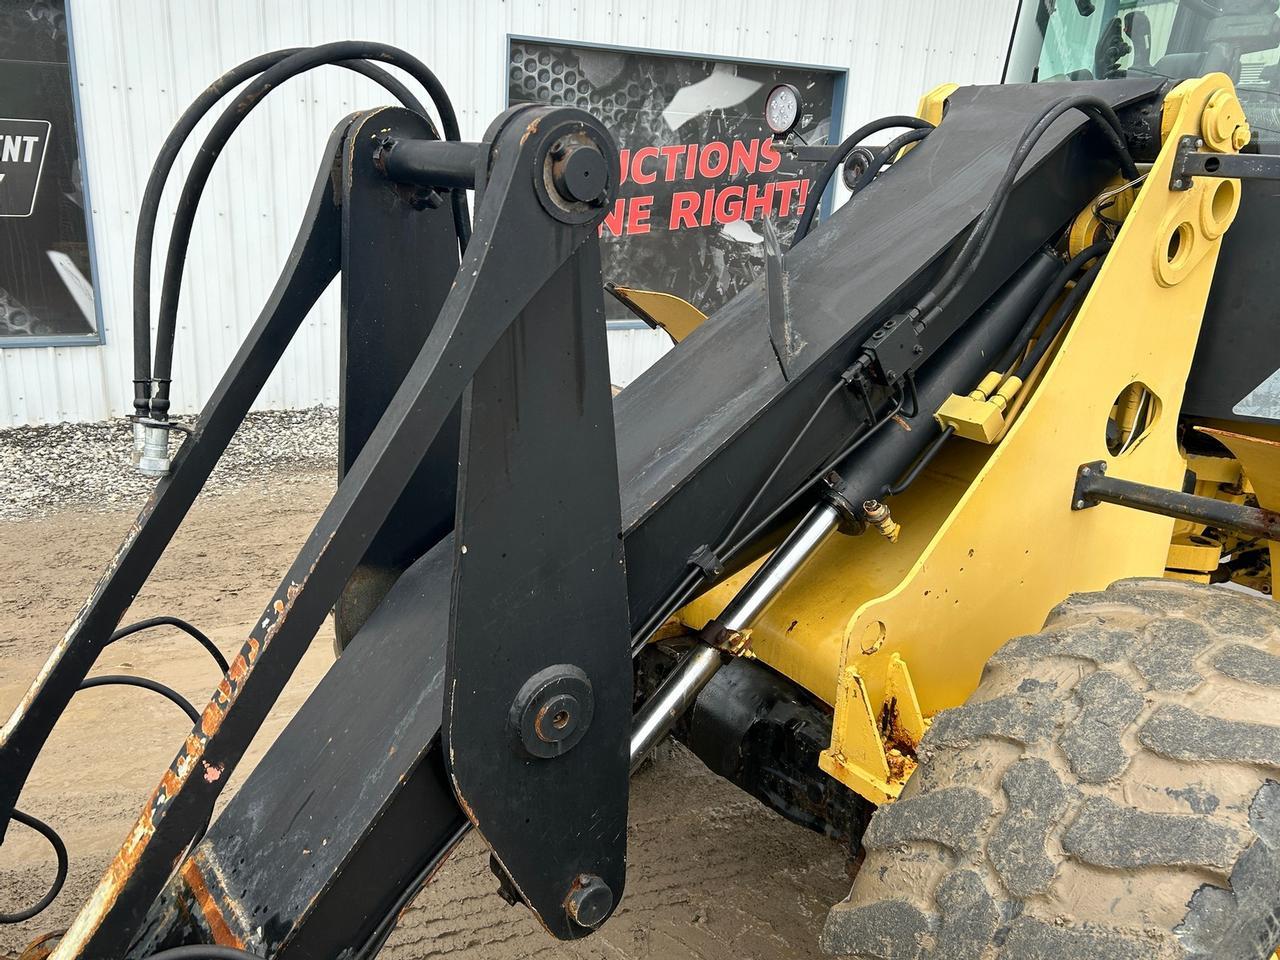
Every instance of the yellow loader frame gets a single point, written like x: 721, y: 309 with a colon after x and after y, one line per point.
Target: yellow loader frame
x: 889, y: 632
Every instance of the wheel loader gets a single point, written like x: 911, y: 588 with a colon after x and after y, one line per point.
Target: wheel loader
x: 950, y: 537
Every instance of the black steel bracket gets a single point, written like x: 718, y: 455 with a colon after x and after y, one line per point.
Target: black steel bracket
x: 538, y: 695
x: 1093, y: 487
x: 520, y: 333
x: 1190, y: 161
x: 808, y: 152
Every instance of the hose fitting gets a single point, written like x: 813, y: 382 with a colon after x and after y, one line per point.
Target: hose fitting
x: 878, y: 515
x: 153, y: 459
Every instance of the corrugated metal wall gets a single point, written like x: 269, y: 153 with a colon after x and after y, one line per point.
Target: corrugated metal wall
x: 140, y: 63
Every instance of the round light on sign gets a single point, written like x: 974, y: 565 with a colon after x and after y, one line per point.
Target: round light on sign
x: 782, y: 109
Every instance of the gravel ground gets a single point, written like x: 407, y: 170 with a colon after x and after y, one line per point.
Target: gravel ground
x: 87, y: 465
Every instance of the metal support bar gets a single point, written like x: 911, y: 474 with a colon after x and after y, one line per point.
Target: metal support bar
x: 809, y: 153
x: 312, y: 265
x: 432, y: 163
x: 1192, y: 162
x: 479, y: 310
x: 1093, y: 487
x: 681, y: 688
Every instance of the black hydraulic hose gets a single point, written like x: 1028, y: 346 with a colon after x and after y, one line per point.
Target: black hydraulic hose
x: 687, y: 587
x: 823, y: 179
x: 925, y: 459
x: 777, y: 467
x: 695, y: 574
x: 966, y: 262
x: 149, y: 209
x: 1068, y: 306
x: 217, y: 138
x: 146, y: 683
x: 203, y: 951
x: 59, y: 850
x: 962, y: 361
x: 886, y: 155
x: 848, y: 450
x: 180, y: 624
x: 1069, y: 271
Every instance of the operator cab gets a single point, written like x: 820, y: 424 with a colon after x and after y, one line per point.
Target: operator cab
x: 1236, y: 372
x: 1179, y: 39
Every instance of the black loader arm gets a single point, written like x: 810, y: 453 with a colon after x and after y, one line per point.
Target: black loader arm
x: 525, y: 531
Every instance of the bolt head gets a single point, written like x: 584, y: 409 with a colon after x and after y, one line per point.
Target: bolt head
x: 589, y: 901
x: 1079, y: 504
x: 580, y: 173
x: 557, y: 719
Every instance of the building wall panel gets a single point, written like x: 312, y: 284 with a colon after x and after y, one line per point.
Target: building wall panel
x: 139, y: 63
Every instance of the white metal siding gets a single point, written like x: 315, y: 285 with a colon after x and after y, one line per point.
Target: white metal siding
x: 140, y: 63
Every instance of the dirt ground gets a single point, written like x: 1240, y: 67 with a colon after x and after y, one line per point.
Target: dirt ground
x: 712, y: 874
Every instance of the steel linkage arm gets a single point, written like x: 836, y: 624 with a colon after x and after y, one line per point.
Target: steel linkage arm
x: 312, y: 265
x: 523, y: 321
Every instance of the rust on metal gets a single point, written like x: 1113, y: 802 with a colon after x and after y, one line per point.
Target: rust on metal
x: 899, y: 743
x: 210, y: 912
x: 175, y: 777
x: 42, y: 946
x: 530, y: 130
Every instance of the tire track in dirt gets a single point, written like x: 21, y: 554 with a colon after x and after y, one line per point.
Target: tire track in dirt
x: 712, y: 874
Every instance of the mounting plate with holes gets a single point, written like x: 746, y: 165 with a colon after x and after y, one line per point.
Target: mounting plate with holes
x: 1080, y: 499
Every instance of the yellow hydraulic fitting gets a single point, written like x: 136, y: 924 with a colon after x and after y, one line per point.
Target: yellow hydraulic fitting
x: 877, y: 514
x: 988, y: 385
x: 978, y: 416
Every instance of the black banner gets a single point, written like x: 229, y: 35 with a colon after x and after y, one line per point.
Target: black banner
x: 46, y: 286
x: 699, y: 168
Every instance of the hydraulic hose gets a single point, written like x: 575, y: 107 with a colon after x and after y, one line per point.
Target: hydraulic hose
x: 955, y: 367
x: 1065, y: 275
x: 217, y: 138
x: 180, y: 624
x: 823, y: 179
x: 145, y: 683
x: 149, y: 209
x: 886, y: 154
x: 966, y: 262
x: 1069, y: 304
x: 688, y: 586
x: 59, y: 850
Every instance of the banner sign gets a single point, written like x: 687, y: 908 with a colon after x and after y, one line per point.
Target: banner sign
x: 699, y: 167
x: 22, y: 145
x: 46, y: 280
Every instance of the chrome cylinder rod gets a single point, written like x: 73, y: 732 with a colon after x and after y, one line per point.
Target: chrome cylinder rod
x: 678, y: 691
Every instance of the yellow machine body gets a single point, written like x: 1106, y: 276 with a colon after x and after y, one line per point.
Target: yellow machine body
x: 889, y: 633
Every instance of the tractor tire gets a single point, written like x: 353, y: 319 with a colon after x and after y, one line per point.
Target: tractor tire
x: 1111, y: 790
